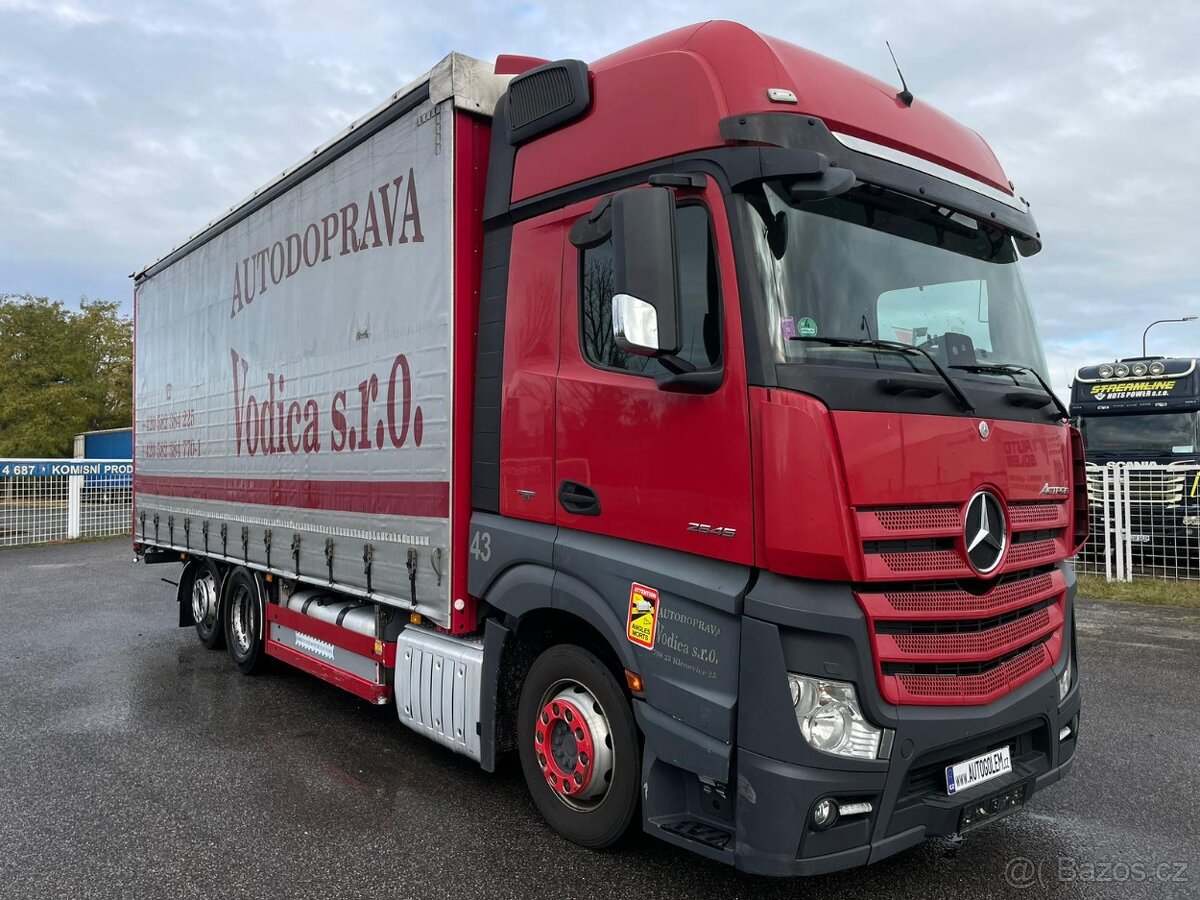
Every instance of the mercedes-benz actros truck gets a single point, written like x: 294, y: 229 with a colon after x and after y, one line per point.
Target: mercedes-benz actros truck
x: 676, y: 420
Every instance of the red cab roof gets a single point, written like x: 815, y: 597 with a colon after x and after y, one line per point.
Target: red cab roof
x: 666, y: 95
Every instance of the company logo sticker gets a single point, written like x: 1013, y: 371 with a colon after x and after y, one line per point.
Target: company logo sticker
x: 643, y: 615
x: 1133, y: 390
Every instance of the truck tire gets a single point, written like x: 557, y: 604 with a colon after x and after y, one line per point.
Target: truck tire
x: 243, y: 613
x: 206, y: 611
x: 579, y: 747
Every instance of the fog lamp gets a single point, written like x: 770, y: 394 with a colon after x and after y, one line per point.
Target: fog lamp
x: 825, y: 813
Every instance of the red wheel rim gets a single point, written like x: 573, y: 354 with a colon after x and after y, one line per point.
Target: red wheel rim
x: 565, y: 747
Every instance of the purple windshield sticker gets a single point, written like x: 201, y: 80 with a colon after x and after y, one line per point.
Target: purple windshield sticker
x: 787, y: 325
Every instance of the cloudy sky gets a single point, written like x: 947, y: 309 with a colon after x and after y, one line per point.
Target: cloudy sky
x: 125, y: 125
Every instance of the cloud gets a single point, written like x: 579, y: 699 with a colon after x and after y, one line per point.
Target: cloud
x: 124, y: 126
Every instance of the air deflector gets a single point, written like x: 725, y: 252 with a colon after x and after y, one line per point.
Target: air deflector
x: 544, y: 98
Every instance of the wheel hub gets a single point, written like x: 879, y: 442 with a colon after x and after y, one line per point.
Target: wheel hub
x: 204, y: 600
x: 574, y: 746
x: 243, y: 620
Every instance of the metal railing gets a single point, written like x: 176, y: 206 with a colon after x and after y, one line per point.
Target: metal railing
x: 1145, y: 522
x: 47, y: 500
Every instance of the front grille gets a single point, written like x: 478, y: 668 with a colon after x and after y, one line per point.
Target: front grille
x: 939, y: 552
x: 940, y: 633
x: 1025, y: 515
x: 980, y: 642
x: 958, y: 626
x: 922, y: 561
x: 951, y: 599
x: 926, y: 518
x: 983, y: 687
x: 1151, y: 485
x: 1029, y: 553
x: 959, y: 669
x: 949, y: 639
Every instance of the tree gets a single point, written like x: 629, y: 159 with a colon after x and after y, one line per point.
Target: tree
x: 61, y: 372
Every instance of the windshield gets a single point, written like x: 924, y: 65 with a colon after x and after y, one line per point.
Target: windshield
x: 876, y: 265
x: 1149, y: 434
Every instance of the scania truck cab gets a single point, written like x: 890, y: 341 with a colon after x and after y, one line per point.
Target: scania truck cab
x: 1142, y: 414
x: 760, y: 506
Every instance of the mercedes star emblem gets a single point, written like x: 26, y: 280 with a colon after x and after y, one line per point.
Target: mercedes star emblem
x: 984, y: 431
x: 985, y: 532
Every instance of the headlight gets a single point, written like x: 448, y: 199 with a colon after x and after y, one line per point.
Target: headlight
x: 1140, y: 369
x: 1121, y: 370
x: 1106, y: 371
x: 830, y: 718
x: 1065, y: 679
x: 1157, y: 368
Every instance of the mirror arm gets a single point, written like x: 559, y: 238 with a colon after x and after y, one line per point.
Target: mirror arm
x: 706, y: 382
x: 674, y: 364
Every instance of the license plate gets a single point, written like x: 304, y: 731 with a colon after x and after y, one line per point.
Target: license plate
x: 981, y: 769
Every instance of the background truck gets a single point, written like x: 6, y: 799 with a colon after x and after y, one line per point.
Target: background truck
x: 676, y: 420
x: 1144, y: 412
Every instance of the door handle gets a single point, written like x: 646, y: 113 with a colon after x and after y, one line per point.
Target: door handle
x: 578, y: 499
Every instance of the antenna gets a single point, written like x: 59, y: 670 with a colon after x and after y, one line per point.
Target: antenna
x: 905, y: 96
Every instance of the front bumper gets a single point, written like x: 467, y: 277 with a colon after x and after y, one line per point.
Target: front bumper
x: 774, y: 834
x: 751, y: 804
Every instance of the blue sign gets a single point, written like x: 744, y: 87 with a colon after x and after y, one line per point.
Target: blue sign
x: 21, y: 468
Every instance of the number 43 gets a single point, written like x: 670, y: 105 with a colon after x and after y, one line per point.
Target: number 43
x: 481, y: 546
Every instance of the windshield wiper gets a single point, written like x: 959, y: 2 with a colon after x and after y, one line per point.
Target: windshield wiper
x: 896, y: 347
x: 1014, y: 369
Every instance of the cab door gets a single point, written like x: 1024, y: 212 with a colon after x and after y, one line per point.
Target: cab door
x: 635, y: 461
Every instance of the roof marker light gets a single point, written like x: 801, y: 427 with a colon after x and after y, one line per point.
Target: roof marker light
x: 781, y: 95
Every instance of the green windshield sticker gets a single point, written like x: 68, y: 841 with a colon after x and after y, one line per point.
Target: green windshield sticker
x: 806, y: 327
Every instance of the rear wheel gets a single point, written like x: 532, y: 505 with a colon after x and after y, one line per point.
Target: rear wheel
x: 243, y: 608
x: 578, y: 746
x: 206, y: 586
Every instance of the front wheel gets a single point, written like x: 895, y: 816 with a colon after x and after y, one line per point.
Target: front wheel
x: 243, y: 608
x: 578, y: 746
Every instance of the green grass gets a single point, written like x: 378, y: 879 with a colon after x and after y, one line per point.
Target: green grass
x: 1149, y: 591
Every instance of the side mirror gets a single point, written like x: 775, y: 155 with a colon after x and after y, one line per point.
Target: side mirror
x: 645, y: 304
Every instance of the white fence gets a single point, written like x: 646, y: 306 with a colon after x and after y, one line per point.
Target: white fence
x: 1145, y: 522
x: 1145, y: 519
x: 45, y: 500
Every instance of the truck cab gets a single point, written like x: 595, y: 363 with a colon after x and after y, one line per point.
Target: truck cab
x: 1142, y: 415
x: 757, y: 340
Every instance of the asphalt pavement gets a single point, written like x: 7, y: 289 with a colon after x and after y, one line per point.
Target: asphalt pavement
x: 134, y: 763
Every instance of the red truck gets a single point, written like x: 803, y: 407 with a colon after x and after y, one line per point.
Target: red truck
x: 677, y: 420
